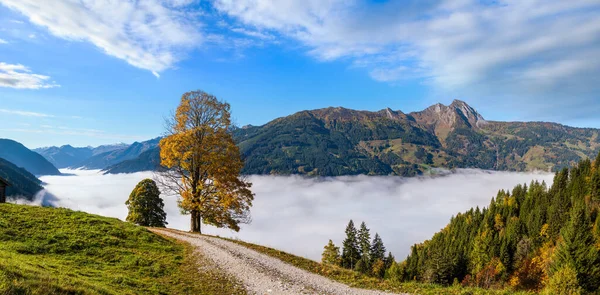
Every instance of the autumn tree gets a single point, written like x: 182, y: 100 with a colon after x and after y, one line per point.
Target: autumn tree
x: 203, y: 163
x: 145, y: 205
x: 331, y: 254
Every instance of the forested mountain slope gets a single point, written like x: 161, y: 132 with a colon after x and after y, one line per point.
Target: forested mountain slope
x: 22, y: 183
x: 338, y: 141
x: 532, y: 238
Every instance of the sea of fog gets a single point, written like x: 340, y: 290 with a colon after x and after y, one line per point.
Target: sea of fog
x: 299, y: 215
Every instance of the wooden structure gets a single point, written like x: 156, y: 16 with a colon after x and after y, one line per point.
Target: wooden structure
x: 3, y: 185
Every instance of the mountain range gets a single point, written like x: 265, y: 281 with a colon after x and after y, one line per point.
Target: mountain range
x: 100, y: 157
x: 67, y: 156
x: 338, y: 141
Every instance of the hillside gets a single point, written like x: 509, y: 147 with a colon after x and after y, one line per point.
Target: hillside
x: 338, y: 141
x: 531, y: 238
x: 59, y: 251
x: 21, y: 156
x: 23, y: 183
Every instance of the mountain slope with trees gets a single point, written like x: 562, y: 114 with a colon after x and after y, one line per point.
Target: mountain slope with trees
x: 338, y: 141
x: 535, y: 237
x: 22, y: 183
x: 21, y: 156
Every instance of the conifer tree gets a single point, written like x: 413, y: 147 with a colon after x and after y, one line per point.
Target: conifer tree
x: 145, y: 205
x: 377, y: 251
x: 350, y: 251
x: 389, y: 260
x: 577, y: 250
x: 331, y: 254
x: 364, y: 242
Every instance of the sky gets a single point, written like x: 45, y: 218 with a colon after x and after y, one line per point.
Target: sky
x: 299, y: 215
x: 91, y: 72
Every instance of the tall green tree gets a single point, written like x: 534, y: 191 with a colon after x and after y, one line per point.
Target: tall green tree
x: 377, y: 250
x: 350, y: 250
x: 364, y: 241
x: 578, y: 251
x: 145, y: 205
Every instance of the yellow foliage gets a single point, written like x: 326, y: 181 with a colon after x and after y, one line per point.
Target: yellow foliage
x: 544, y: 230
x: 498, y: 223
x: 204, y: 163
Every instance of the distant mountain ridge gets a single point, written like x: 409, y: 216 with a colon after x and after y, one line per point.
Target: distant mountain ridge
x: 100, y: 157
x: 68, y: 156
x: 21, y: 156
x: 338, y: 141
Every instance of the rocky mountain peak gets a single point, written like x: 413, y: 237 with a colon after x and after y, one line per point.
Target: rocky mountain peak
x: 474, y: 118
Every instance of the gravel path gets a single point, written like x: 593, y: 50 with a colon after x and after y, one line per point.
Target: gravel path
x: 260, y: 273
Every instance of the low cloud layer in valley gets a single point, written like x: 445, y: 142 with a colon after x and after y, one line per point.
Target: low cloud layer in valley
x: 299, y: 214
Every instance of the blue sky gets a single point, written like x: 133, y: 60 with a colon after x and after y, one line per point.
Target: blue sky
x: 92, y: 72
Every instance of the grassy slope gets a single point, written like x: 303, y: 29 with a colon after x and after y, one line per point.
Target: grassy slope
x: 59, y: 251
x: 358, y: 280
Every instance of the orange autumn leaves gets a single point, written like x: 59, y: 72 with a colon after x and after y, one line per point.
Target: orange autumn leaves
x: 203, y: 163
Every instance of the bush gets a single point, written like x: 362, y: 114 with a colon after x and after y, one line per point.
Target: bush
x: 563, y: 282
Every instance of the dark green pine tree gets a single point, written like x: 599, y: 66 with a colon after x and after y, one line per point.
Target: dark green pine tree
x: 364, y: 242
x: 578, y: 251
x: 350, y: 250
x: 389, y: 260
x: 595, y: 185
x: 377, y: 251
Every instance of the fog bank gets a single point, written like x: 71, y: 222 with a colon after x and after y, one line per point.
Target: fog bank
x: 299, y: 215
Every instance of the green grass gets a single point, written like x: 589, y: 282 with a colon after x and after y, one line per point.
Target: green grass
x: 59, y: 251
x: 358, y: 280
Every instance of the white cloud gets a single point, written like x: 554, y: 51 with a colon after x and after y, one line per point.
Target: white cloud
x: 252, y: 33
x: 2, y: 41
x: 20, y: 77
x: 299, y: 215
x: 147, y: 34
x: 25, y: 113
x: 524, y: 48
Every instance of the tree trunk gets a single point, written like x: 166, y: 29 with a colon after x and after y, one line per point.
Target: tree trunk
x: 199, y: 222
x: 194, y: 225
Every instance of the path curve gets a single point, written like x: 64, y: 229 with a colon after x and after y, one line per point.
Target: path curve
x: 260, y: 273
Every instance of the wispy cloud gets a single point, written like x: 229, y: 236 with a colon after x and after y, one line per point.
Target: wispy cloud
x: 151, y: 35
x: 2, y: 41
x: 253, y: 33
x: 19, y: 76
x: 528, y: 49
x: 26, y: 113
